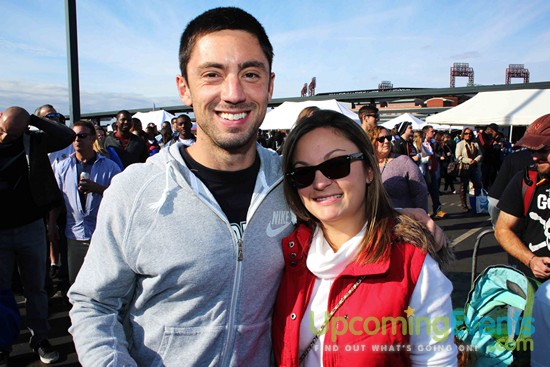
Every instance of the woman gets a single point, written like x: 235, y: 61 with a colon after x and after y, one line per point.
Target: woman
x: 400, y: 175
x: 418, y: 139
x: 345, y: 254
x: 468, y: 152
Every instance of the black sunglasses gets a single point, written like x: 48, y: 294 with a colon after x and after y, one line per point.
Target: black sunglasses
x: 333, y: 169
x: 81, y: 136
x: 380, y: 139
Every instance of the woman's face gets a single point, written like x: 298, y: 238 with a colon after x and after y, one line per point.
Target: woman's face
x: 383, y: 146
x: 336, y: 203
x: 468, y: 135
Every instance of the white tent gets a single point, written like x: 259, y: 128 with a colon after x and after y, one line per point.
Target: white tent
x: 416, y: 122
x: 284, y: 116
x: 156, y: 117
x: 504, y: 108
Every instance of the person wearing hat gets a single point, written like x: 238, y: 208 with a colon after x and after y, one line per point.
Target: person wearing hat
x: 402, y: 144
x: 490, y: 142
x: 537, y: 139
x: 522, y: 225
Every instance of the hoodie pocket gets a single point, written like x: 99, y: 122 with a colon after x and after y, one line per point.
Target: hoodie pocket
x: 192, y: 346
x: 253, y: 344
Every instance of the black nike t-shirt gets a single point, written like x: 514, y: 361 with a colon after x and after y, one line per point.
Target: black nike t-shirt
x: 232, y: 189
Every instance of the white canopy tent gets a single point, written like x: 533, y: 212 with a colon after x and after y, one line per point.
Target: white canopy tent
x: 504, y: 108
x: 156, y: 117
x: 417, y: 124
x: 284, y: 116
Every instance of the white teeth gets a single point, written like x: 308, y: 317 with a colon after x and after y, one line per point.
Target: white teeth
x: 329, y: 197
x: 232, y: 116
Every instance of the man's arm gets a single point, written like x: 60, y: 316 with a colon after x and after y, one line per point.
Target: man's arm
x: 505, y: 233
x: 58, y: 136
x: 104, y: 286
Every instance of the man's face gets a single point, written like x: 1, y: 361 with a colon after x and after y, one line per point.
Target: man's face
x: 370, y: 120
x: 229, y: 85
x: 542, y: 159
x: 429, y: 134
x: 408, y: 132
x: 84, y: 141
x: 490, y: 132
x: 180, y: 125
x: 123, y: 122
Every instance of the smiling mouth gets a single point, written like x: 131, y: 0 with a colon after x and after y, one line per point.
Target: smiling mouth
x: 232, y: 116
x: 325, y: 198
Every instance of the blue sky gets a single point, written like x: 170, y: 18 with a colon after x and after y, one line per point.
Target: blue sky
x: 128, y: 48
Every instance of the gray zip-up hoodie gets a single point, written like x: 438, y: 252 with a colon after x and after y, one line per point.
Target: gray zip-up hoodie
x: 166, y: 280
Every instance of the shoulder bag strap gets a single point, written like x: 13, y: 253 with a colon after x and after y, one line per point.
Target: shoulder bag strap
x: 322, y: 328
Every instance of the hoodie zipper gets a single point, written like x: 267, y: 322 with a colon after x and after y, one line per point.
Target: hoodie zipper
x: 230, y: 340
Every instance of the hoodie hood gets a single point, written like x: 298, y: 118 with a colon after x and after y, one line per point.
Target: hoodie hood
x: 177, y: 175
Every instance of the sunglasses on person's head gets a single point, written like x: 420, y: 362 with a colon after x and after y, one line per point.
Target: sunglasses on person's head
x: 333, y: 169
x: 81, y: 136
x: 381, y: 139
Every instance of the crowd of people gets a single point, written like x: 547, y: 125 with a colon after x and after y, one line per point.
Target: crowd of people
x: 481, y: 150
x: 215, y: 250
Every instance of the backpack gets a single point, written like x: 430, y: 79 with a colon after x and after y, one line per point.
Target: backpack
x: 528, y: 187
x: 497, y: 324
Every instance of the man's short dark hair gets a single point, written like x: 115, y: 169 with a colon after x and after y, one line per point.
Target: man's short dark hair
x: 87, y: 124
x: 219, y: 19
x: 125, y: 112
x: 367, y: 110
x: 426, y: 128
x: 184, y: 116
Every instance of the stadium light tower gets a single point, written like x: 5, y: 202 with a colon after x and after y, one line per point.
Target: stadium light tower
x: 462, y: 69
x: 517, y: 71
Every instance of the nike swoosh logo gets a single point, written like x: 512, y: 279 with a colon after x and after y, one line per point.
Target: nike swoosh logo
x: 275, y: 232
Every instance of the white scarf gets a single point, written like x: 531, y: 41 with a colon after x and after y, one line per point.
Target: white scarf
x: 323, y: 262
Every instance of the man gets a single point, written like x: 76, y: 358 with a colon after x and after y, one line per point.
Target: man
x: 49, y: 112
x: 512, y: 164
x: 204, y: 298
x: 129, y: 148
x: 369, y: 117
x: 433, y: 169
x: 183, y: 126
x: 83, y: 195
x: 28, y: 189
x: 211, y: 291
x: 522, y: 227
x: 402, y: 144
x: 173, y: 123
x: 58, y: 244
x: 491, y: 147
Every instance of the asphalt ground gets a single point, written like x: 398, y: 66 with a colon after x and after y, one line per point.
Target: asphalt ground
x: 461, y: 228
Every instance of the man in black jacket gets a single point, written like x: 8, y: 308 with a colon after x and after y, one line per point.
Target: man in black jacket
x: 28, y: 190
